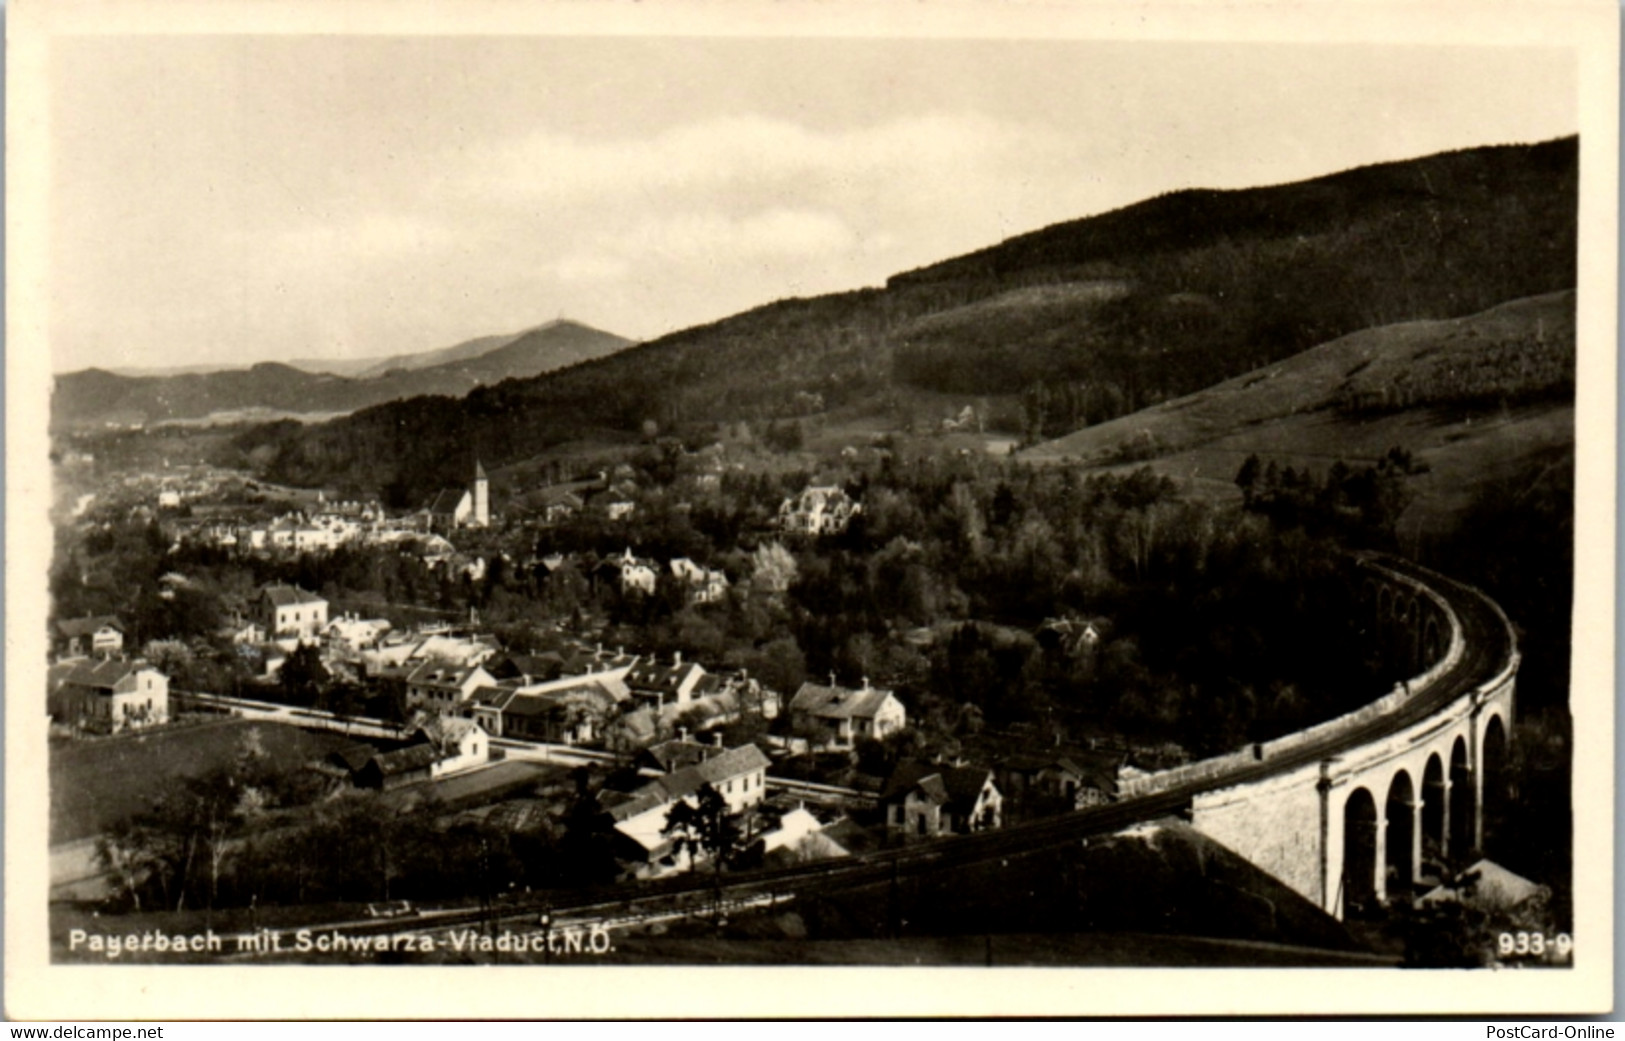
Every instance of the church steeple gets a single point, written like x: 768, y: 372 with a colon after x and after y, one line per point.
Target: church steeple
x: 482, y: 495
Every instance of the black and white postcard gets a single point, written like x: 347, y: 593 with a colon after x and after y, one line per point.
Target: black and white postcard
x: 935, y: 509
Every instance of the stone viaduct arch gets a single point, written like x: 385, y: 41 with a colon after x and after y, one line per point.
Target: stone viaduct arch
x: 1369, y: 818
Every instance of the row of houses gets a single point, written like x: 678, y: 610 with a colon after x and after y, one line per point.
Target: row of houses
x: 637, y: 575
x: 295, y: 532
x: 573, y: 699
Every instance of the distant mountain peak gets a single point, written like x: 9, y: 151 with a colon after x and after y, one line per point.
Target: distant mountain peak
x: 93, y: 394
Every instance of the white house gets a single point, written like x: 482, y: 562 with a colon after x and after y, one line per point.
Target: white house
x: 818, y: 510
x: 291, y: 611
x: 847, y: 715
x: 793, y: 829
x: 442, y: 687
x: 635, y: 574
x: 99, y: 635
x: 357, y: 633
x: 705, y: 585
x: 661, y: 685
x: 928, y: 799
x: 739, y: 775
x: 444, y: 647
x: 460, y: 744
x: 108, y: 696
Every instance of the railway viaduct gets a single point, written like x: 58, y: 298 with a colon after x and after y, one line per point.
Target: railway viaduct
x: 1345, y: 811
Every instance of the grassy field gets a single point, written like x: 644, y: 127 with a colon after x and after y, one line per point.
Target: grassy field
x: 1287, y: 412
x: 97, y: 782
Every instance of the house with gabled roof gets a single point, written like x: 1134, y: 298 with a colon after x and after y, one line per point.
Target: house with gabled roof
x: 98, y: 635
x: 931, y: 799
x: 440, y: 747
x: 557, y: 504
x: 1073, y: 780
x: 666, y: 756
x: 345, y: 762
x: 526, y: 669
x: 356, y: 634
x: 448, y: 647
x: 443, y: 686
x: 658, y: 686
x: 460, y: 744
x: 1070, y: 636
x: 395, y: 769
x: 284, y: 610
x: 739, y: 775
x: 568, y: 712
x: 818, y: 510
x: 486, y: 706
x: 702, y: 585
x: 844, y: 714
x: 107, y: 696
x: 631, y: 573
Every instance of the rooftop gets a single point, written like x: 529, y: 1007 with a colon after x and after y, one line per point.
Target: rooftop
x: 107, y: 673
x: 832, y: 702
x: 73, y: 628
x: 289, y: 596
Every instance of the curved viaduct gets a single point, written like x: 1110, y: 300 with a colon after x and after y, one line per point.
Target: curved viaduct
x: 1339, y: 811
x: 1346, y: 810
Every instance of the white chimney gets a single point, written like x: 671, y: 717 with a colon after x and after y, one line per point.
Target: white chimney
x: 682, y: 733
x: 677, y: 657
x: 716, y: 738
x: 865, y: 683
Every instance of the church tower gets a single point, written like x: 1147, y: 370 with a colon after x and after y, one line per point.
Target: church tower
x: 482, y: 497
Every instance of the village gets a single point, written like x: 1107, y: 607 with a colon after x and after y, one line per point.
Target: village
x: 668, y: 751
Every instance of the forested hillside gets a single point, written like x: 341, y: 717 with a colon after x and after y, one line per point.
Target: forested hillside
x: 1075, y: 324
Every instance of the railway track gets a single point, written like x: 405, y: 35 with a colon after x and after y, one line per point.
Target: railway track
x: 1488, y: 650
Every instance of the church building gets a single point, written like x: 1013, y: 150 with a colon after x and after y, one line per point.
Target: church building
x: 462, y: 507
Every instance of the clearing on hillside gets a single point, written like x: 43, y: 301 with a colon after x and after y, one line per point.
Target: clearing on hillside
x: 1475, y: 399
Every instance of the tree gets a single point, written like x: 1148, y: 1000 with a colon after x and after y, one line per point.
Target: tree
x: 126, y: 850
x: 703, y: 827
x: 303, y: 675
x: 585, y: 851
x: 170, y: 657
x: 779, y: 664
x: 773, y: 568
x: 1247, y: 477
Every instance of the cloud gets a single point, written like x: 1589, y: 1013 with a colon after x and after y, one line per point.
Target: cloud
x: 578, y: 268
x: 686, y: 242
x: 771, y: 234
x: 366, y: 235
x: 746, y: 154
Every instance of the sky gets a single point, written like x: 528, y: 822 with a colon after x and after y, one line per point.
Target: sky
x: 225, y: 200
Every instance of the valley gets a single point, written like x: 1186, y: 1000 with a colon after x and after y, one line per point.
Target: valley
x: 1087, y: 531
